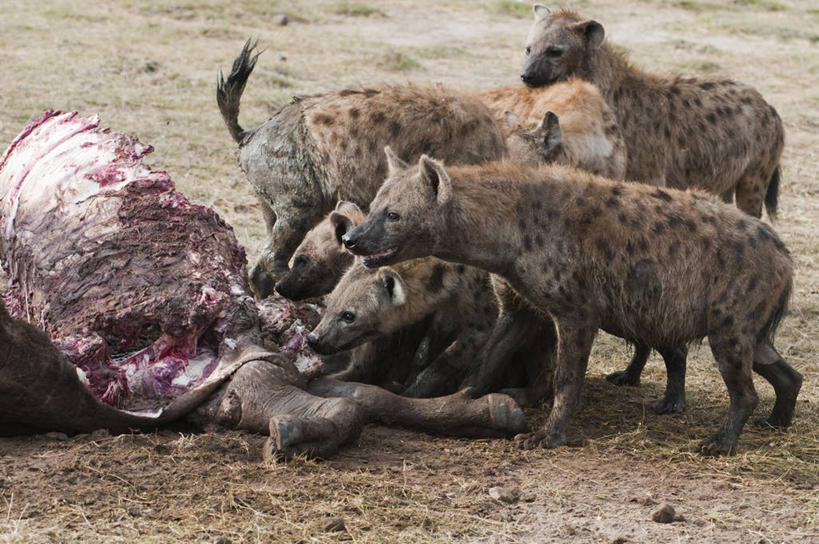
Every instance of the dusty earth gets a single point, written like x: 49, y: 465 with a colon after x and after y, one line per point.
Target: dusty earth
x: 148, y: 67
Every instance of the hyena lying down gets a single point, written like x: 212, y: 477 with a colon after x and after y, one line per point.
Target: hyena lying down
x: 659, y: 267
x: 321, y: 149
x: 566, y: 123
x: 703, y: 132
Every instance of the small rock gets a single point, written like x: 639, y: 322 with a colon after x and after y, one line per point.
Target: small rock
x: 505, y: 494
x: 100, y: 434
x: 664, y: 514
x: 335, y: 525
x: 281, y: 19
x: 151, y: 66
x: 282, y: 57
x: 61, y: 437
x: 224, y: 540
x: 619, y: 540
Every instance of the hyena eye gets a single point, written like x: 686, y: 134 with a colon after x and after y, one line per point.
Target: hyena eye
x: 554, y: 52
x: 527, y: 50
x: 393, y: 217
x: 347, y: 316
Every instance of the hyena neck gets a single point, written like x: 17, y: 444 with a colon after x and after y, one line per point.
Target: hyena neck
x: 479, y: 225
x: 611, y: 71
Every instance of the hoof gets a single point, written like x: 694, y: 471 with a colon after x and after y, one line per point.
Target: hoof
x: 285, y: 435
x: 670, y: 405
x: 539, y: 439
x: 261, y: 282
x: 717, y: 446
x: 623, y: 377
x: 505, y: 415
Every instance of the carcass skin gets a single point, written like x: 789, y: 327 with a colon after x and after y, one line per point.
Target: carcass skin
x: 145, y: 296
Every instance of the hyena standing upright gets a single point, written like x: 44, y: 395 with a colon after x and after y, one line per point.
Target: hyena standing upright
x: 321, y: 149
x: 659, y: 267
x: 703, y: 132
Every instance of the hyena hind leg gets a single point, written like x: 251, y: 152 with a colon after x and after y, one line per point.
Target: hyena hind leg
x: 631, y: 374
x: 785, y: 380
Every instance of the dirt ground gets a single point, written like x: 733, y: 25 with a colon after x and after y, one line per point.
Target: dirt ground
x: 148, y: 67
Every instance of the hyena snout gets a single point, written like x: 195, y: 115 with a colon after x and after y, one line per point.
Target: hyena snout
x: 350, y: 242
x: 261, y: 282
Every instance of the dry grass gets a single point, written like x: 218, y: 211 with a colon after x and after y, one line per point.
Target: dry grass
x: 149, y: 67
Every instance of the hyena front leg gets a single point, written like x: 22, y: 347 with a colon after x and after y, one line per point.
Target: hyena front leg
x: 673, y: 400
x: 287, y: 223
x: 575, y: 338
x: 631, y: 374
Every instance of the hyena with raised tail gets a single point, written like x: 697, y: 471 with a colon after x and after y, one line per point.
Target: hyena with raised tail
x: 655, y: 266
x: 320, y: 149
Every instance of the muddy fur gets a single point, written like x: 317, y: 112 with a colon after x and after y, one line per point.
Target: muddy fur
x: 321, y: 149
x: 655, y: 266
x: 709, y: 133
x: 581, y: 130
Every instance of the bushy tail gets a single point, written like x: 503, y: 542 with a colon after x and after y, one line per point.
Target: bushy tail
x: 229, y: 93
x: 772, y: 196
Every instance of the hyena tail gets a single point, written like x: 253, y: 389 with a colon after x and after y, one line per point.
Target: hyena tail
x: 772, y: 195
x: 767, y: 332
x: 229, y: 92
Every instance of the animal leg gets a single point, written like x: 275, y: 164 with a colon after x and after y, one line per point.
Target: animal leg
x: 734, y: 356
x: 785, y: 380
x: 631, y: 374
x: 453, y: 415
x: 673, y: 400
x: 575, y: 339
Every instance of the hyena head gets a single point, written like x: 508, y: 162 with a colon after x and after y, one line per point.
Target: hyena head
x: 404, y: 215
x: 359, y: 309
x: 534, y: 145
x: 320, y: 260
x: 558, y: 46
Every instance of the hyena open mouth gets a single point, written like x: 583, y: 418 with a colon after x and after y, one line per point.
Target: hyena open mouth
x: 379, y: 259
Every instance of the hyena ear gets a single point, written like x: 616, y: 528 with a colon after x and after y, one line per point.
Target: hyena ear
x: 394, y: 163
x: 541, y: 11
x: 347, y: 207
x: 394, y: 286
x: 510, y: 119
x: 434, y: 175
x: 341, y: 224
x: 592, y: 32
x: 552, y: 135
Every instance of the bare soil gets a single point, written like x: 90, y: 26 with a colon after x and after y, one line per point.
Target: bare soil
x: 148, y: 67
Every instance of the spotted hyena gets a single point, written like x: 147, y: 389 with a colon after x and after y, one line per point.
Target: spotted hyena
x: 320, y: 260
x: 369, y: 304
x: 567, y: 123
x: 657, y: 266
x: 321, y: 149
x: 708, y: 133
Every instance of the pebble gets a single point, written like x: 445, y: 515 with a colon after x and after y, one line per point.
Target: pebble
x: 664, y: 514
x: 505, y: 494
x: 281, y: 19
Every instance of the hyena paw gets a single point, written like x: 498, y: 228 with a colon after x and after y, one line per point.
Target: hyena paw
x: 717, y: 445
x: 670, y: 404
x: 539, y: 439
x: 623, y: 377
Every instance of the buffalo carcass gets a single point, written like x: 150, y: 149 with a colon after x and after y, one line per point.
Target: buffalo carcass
x: 146, y: 295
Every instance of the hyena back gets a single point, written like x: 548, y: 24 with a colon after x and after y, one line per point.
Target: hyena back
x: 658, y: 267
x: 709, y: 133
x: 321, y: 149
x: 568, y: 123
